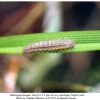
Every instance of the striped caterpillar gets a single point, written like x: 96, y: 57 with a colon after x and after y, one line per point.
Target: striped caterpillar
x: 49, y: 45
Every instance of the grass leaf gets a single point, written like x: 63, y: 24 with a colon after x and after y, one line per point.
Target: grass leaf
x: 84, y: 41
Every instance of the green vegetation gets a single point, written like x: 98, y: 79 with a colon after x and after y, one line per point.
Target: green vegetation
x: 84, y: 41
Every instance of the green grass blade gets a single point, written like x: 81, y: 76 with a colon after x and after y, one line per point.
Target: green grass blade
x: 84, y: 41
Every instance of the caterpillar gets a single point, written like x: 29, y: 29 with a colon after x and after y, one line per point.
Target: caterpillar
x: 49, y: 45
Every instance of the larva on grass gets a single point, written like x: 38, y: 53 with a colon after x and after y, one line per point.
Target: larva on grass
x: 49, y: 45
